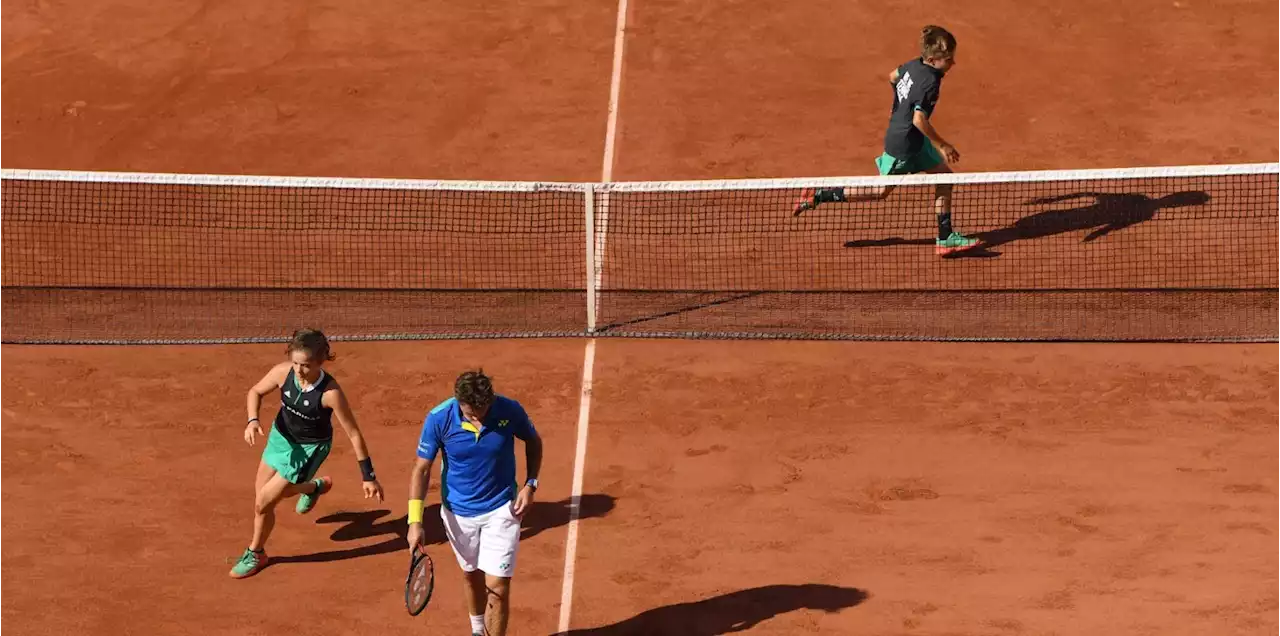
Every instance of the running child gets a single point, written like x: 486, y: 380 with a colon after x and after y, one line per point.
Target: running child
x: 911, y: 143
x: 299, y: 441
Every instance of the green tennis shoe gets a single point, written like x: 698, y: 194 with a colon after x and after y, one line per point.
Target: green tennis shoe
x: 955, y: 243
x: 307, y: 502
x: 250, y: 563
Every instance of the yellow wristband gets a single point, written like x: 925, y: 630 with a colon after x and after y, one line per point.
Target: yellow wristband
x: 415, y: 511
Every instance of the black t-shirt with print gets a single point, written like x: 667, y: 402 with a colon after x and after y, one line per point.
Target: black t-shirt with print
x: 917, y: 89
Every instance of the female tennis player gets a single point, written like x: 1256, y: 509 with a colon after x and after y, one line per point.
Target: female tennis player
x: 300, y: 439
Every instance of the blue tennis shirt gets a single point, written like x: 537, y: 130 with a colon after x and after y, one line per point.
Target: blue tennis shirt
x: 478, y: 473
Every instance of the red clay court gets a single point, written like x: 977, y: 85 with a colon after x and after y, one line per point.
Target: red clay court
x: 770, y: 487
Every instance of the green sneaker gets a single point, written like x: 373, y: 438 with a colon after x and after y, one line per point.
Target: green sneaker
x: 307, y: 502
x: 955, y: 243
x: 250, y: 563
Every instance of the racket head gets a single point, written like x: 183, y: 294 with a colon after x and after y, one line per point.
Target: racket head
x: 420, y: 583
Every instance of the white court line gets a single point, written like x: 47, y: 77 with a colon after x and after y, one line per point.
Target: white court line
x: 610, y: 142
x: 589, y: 357
x: 575, y: 503
x: 615, y: 88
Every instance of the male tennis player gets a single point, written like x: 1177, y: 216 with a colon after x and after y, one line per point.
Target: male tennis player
x: 299, y: 441
x: 911, y: 143
x: 480, y: 503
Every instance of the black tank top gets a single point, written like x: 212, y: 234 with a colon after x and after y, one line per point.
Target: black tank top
x: 302, y: 419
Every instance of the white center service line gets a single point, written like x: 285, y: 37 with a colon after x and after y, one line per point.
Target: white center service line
x: 589, y: 357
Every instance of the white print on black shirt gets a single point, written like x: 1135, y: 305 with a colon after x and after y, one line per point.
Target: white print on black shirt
x: 904, y: 86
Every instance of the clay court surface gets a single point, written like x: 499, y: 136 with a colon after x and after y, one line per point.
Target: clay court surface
x: 765, y: 487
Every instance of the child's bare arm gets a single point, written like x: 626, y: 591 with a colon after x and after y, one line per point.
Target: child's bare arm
x: 948, y: 151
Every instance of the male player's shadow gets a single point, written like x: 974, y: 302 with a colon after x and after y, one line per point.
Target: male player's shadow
x: 543, y: 515
x: 1107, y: 213
x: 728, y: 613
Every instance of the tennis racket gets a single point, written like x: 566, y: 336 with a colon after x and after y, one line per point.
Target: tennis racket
x: 420, y: 582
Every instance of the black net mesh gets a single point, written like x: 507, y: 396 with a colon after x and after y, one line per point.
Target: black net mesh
x: 1102, y: 257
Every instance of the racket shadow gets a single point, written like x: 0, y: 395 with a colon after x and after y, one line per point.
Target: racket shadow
x: 732, y: 612
x: 356, y: 526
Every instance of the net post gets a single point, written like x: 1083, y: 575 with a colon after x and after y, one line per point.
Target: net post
x: 600, y: 236
x: 589, y: 196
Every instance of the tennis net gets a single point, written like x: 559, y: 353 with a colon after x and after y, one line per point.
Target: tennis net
x: 1165, y: 254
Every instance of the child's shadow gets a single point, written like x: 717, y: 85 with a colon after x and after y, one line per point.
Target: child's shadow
x: 542, y: 516
x: 1106, y: 214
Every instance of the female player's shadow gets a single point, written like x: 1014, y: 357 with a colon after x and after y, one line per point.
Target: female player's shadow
x: 543, y: 515
x: 1105, y: 214
x: 732, y: 612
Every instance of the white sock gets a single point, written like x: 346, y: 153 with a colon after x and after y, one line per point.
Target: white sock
x: 477, y: 624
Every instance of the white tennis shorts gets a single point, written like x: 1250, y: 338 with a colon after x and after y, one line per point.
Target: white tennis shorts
x: 487, y: 542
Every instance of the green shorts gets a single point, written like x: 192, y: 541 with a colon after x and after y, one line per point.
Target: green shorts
x: 296, y: 462
x: 922, y: 161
